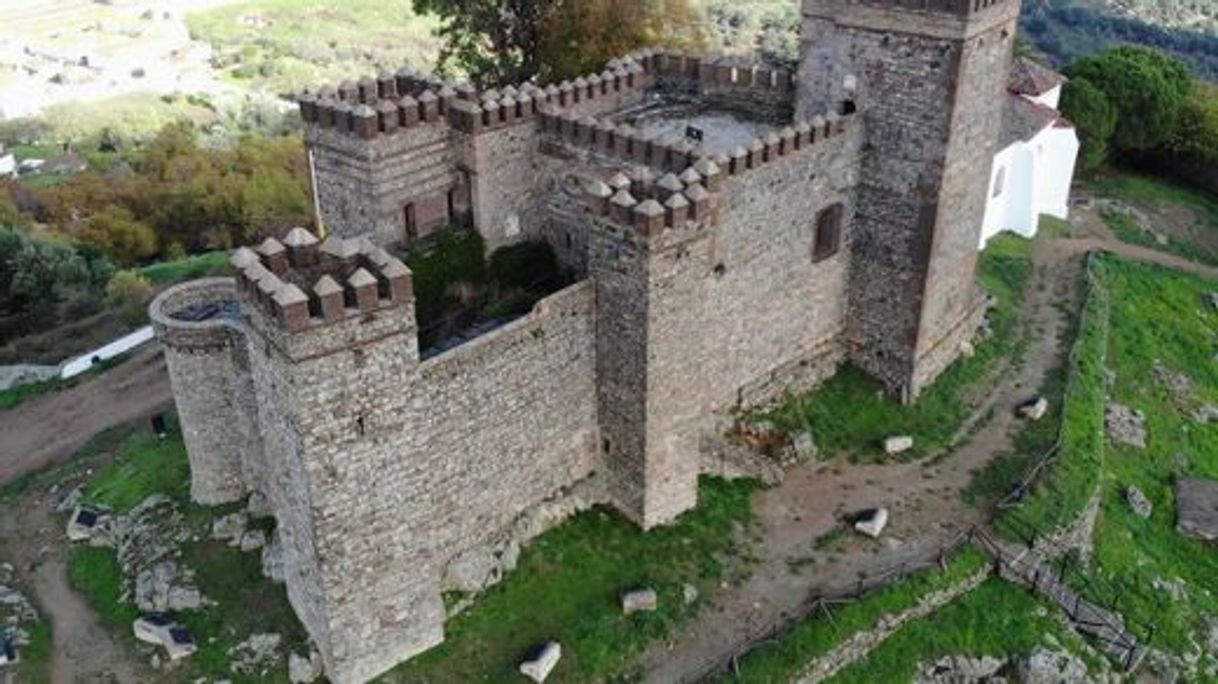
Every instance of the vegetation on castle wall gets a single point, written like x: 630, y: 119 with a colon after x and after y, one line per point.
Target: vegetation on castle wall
x: 567, y: 588
x: 786, y: 657
x: 849, y: 413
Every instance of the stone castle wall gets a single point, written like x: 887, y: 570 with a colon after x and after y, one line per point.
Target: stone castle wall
x: 209, y: 371
x: 902, y: 68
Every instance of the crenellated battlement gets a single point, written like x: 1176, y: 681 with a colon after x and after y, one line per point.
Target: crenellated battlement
x: 955, y: 7
x: 649, y: 206
x: 786, y: 142
x: 301, y: 284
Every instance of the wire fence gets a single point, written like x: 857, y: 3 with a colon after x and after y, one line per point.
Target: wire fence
x: 826, y: 600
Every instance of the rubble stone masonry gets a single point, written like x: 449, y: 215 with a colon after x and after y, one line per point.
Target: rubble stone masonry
x: 704, y: 284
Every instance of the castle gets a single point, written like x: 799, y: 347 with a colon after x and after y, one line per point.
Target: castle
x: 827, y: 215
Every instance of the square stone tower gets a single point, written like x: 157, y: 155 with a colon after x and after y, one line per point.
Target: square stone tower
x: 929, y: 76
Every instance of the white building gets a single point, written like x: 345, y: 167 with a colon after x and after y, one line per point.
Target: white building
x: 1032, y: 172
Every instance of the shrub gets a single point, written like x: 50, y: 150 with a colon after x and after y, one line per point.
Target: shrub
x: 128, y: 292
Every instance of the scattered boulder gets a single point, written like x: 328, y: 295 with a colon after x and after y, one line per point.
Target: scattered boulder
x: 804, y: 446
x: 272, y: 559
x: 956, y: 669
x: 1125, y: 425
x: 640, y: 600
x: 253, y: 540
x: 871, y: 522
x: 540, y: 665
x: 1197, y: 509
x: 302, y: 670
x: 967, y: 350
x: 1176, y: 589
x: 158, y: 629
x: 1034, y: 409
x: 258, y: 505
x: 84, y: 522
x: 1206, y: 414
x: 167, y: 586
x: 1179, y: 384
x: 230, y: 528
x: 257, y: 655
x: 70, y: 500
x: 689, y: 592
x: 1044, y: 666
x: 1138, y: 502
x: 1212, y: 298
x: 898, y: 444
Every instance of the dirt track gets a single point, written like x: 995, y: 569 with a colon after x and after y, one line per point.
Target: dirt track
x: 49, y: 428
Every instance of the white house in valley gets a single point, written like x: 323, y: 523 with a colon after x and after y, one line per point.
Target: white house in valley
x: 1032, y: 171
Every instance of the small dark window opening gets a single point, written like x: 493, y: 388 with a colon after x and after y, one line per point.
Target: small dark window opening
x: 412, y: 229
x: 828, y: 233
x: 359, y: 425
x: 848, y: 107
x: 452, y: 203
x: 720, y: 269
x: 606, y: 445
x: 570, y: 241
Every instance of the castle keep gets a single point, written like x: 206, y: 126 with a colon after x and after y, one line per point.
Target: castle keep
x: 808, y: 219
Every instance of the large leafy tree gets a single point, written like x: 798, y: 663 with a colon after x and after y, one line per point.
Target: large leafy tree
x: 500, y: 42
x: 1094, y: 117
x: 1147, y: 89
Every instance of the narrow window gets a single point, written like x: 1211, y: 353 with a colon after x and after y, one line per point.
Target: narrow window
x: 828, y: 233
x: 412, y: 229
x: 452, y: 204
x: 1000, y: 180
x: 848, y: 107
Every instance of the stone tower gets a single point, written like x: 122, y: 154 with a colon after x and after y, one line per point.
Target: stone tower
x: 332, y: 340
x: 929, y: 76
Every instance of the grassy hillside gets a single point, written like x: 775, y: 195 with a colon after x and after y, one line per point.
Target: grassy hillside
x: 286, y: 45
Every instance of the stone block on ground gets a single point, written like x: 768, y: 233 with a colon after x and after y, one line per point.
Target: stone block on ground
x: 541, y: 665
x: 898, y: 444
x: 1043, y: 666
x: 640, y: 600
x: 302, y: 670
x: 253, y: 540
x: 804, y: 446
x: 1206, y: 414
x: 1138, y: 502
x: 84, y: 521
x: 1034, y: 409
x: 872, y: 522
x: 230, y: 528
x: 1125, y: 425
x: 1197, y: 508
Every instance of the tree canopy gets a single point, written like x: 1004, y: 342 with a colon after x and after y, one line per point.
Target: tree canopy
x: 501, y: 42
x: 1094, y: 117
x: 1146, y: 88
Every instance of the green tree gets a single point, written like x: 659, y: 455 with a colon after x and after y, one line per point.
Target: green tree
x: 1094, y: 117
x: 1195, y: 137
x: 501, y: 42
x: 125, y: 239
x: 1147, y: 89
x: 128, y: 293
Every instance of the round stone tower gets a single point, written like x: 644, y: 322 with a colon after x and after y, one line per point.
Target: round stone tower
x: 206, y: 352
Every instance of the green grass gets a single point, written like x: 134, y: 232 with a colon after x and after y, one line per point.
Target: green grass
x: 996, y: 619
x: 567, y: 588
x: 1157, y: 192
x: 35, y: 665
x: 190, y: 268
x: 849, y: 412
x: 1127, y: 230
x: 245, y: 601
x: 787, y: 656
x: 143, y: 466
x: 1159, y: 314
x: 1068, y: 483
x: 309, y: 43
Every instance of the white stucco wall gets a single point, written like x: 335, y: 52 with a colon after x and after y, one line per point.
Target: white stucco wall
x: 1035, y: 179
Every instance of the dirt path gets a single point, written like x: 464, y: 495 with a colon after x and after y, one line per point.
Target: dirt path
x: 32, y: 540
x: 924, y: 500
x: 50, y: 427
